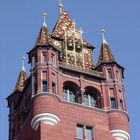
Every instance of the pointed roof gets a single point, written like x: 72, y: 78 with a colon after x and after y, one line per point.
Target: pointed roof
x: 66, y: 26
x: 20, y: 84
x: 43, y: 37
x: 63, y: 24
x: 105, y: 54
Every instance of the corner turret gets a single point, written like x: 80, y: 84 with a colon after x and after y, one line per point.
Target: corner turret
x: 20, y: 84
x: 113, y: 73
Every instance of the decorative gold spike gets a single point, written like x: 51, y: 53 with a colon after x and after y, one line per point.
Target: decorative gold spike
x: 81, y: 33
x: 103, y: 35
x: 74, y: 26
x: 102, y: 30
x: 60, y: 7
x: 81, y: 30
x: 23, y: 60
x: 74, y: 23
x: 44, y: 19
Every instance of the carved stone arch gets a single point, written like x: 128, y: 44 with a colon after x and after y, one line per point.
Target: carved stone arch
x: 92, y: 97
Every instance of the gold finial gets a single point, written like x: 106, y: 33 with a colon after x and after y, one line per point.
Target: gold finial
x: 23, y: 60
x: 44, y: 19
x: 74, y: 25
x: 103, y: 32
x: 103, y: 35
x: 60, y: 7
x: 81, y: 32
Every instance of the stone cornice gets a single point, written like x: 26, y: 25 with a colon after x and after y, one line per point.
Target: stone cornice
x: 82, y: 71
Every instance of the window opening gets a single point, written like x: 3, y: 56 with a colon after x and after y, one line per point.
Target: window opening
x: 53, y: 59
x: 121, y: 104
x: 53, y: 87
x: 89, y: 100
x: 117, y: 75
x: 71, y: 93
x: 35, y: 84
x: 44, y: 83
x: 113, y: 103
x: 44, y: 57
x: 84, y: 132
x: 109, y: 74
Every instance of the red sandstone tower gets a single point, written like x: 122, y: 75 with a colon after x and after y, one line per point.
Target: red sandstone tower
x: 67, y: 96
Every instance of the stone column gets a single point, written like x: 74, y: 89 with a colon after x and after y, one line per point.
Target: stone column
x: 82, y: 91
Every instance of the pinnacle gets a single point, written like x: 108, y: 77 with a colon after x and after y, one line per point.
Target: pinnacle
x: 105, y: 54
x: 43, y: 37
x: 20, y: 81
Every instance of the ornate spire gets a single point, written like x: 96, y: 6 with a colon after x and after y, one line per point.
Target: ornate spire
x: 60, y: 7
x: 43, y: 37
x: 21, y: 78
x: 105, y: 52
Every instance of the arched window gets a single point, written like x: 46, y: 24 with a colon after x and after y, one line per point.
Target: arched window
x: 69, y: 95
x: 89, y: 100
x: 92, y: 97
x: 71, y: 92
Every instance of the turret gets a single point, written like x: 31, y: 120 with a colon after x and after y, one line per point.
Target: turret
x: 113, y: 92
x: 43, y: 58
x: 13, y: 103
x: 114, y: 76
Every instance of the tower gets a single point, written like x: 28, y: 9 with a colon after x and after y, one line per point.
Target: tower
x: 66, y: 95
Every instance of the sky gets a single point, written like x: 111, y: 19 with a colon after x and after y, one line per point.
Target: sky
x: 20, y: 22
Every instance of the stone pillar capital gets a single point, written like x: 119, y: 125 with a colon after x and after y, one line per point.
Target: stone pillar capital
x: 82, y: 90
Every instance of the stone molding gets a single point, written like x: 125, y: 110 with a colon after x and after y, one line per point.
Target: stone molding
x: 120, y: 134
x: 47, y: 118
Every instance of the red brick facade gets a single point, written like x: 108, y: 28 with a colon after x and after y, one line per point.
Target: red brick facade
x: 65, y: 91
